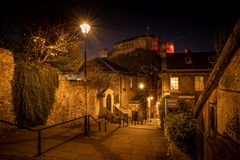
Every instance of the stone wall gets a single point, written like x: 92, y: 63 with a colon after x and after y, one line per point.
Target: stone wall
x: 228, y: 108
x: 69, y: 97
x: 7, y: 71
x: 70, y: 102
x: 217, y: 109
x: 221, y: 114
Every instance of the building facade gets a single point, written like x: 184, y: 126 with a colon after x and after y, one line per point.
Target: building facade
x: 217, y: 110
x: 184, y: 76
x: 116, y: 85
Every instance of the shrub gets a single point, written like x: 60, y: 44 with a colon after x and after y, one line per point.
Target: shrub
x: 179, y: 126
x: 33, y: 92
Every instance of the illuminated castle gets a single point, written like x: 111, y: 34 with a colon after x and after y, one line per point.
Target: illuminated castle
x: 147, y: 42
x: 144, y: 42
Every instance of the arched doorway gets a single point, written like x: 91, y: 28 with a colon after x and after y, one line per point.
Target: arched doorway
x: 108, y: 102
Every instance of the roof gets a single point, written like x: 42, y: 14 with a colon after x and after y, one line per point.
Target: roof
x: 110, y: 66
x: 105, y: 65
x: 197, y: 60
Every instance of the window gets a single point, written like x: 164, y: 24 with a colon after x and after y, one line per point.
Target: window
x: 199, y: 83
x: 174, y: 83
x: 188, y: 60
x: 131, y: 82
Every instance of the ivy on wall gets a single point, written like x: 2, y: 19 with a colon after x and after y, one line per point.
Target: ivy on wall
x: 33, y: 92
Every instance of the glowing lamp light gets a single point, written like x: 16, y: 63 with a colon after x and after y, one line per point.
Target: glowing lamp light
x: 150, y: 98
x: 85, y: 28
x: 141, y: 85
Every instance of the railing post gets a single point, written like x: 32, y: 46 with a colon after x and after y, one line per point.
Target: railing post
x: 119, y: 122
x: 39, y: 143
x: 99, y: 126
x: 88, y: 125
x: 85, y: 126
x: 105, y: 124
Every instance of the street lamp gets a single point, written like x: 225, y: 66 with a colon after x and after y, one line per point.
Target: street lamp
x: 85, y: 28
x: 141, y: 85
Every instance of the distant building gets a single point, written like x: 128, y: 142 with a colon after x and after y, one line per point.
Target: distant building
x: 184, y: 77
x: 168, y: 47
x: 148, y: 42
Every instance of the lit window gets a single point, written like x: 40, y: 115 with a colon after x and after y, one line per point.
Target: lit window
x: 199, y: 83
x: 174, y: 83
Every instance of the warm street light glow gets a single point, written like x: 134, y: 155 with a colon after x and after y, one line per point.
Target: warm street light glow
x: 141, y: 85
x: 150, y: 98
x: 85, y: 28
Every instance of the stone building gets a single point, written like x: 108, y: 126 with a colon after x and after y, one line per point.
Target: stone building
x: 218, y: 108
x: 184, y: 76
x: 147, y: 42
x: 115, y: 85
x: 147, y: 63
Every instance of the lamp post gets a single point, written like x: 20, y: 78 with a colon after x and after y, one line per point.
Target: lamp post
x: 142, y: 93
x: 85, y: 29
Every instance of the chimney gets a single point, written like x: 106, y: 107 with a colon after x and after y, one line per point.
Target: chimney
x: 187, y: 50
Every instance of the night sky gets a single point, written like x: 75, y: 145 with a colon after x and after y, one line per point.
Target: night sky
x: 188, y: 25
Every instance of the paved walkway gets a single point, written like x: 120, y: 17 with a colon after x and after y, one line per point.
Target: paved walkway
x: 140, y: 142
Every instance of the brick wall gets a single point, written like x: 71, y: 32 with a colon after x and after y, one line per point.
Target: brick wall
x: 218, y: 106
x: 7, y: 71
x: 229, y: 99
x: 226, y: 99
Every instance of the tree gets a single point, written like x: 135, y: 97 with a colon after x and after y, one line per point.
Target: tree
x: 220, y: 39
x: 56, y: 45
x: 40, y: 51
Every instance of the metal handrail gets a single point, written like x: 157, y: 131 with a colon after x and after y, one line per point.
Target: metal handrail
x: 35, y: 130
x: 19, y: 126
x: 61, y: 123
x: 99, y: 124
x: 39, y: 131
x: 93, y: 118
